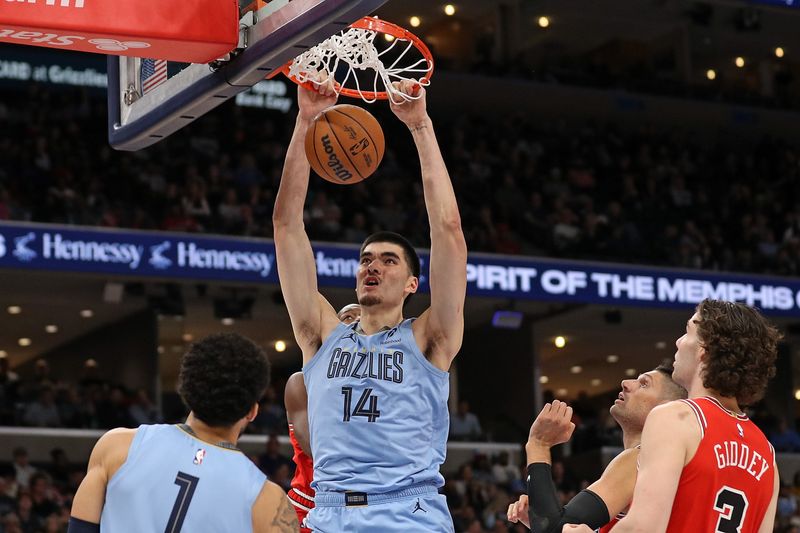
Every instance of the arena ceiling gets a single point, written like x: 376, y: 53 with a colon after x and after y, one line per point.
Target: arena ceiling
x: 697, y: 35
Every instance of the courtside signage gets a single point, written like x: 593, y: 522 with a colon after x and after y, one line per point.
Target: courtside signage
x: 183, y: 256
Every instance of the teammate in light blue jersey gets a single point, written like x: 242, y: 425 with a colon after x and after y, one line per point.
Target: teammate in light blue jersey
x: 189, y: 477
x: 377, y: 389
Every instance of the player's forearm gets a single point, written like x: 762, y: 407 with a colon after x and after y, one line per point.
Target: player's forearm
x: 440, y: 199
x: 291, y: 197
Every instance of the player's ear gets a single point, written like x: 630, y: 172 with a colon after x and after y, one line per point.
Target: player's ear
x: 252, y: 413
x: 412, y: 284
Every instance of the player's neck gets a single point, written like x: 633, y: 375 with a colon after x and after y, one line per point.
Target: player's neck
x: 631, y: 438
x: 374, y: 320
x: 210, y: 434
x: 727, y: 402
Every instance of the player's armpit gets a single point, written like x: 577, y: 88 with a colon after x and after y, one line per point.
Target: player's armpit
x: 615, y: 486
x: 272, y: 512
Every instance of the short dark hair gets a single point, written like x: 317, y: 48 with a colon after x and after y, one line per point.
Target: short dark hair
x: 221, y: 377
x: 411, y: 256
x: 741, y: 348
x: 672, y: 391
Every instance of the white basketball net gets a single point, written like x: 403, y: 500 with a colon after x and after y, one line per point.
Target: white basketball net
x: 355, y: 48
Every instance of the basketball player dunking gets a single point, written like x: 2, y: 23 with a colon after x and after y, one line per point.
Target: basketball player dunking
x: 378, y: 388
x: 301, y: 495
x: 704, y: 466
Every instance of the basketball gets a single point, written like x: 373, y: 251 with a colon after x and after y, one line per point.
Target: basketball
x: 345, y: 144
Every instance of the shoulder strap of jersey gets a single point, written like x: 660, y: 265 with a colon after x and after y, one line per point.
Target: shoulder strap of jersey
x: 701, y: 417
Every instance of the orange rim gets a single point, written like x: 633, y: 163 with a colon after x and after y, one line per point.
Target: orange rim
x: 378, y: 26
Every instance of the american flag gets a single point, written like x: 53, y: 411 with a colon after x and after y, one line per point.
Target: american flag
x: 154, y: 73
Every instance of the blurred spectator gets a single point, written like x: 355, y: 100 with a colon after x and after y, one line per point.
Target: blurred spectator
x: 113, y: 412
x: 271, y: 417
x: 464, y: 425
x: 272, y: 459
x: 142, y: 410
x: 23, y: 471
x: 43, y: 412
x: 785, y: 438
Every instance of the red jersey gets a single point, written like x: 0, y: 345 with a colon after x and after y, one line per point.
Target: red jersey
x: 608, y: 527
x: 728, y: 484
x: 301, y: 495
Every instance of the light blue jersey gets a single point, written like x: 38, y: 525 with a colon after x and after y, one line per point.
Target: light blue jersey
x: 377, y: 411
x: 172, y: 481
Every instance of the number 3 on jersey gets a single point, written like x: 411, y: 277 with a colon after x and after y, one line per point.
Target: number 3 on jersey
x: 367, y: 405
x: 732, y: 507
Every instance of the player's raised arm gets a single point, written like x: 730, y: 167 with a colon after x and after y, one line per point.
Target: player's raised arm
x: 441, y: 328
x: 308, y: 311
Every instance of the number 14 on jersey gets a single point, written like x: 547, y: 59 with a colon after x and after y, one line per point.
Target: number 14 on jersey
x: 366, y: 406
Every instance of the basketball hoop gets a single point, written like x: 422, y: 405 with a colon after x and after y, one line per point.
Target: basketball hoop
x: 353, y: 51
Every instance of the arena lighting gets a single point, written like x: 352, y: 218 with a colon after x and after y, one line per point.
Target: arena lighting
x: 543, y: 22
x: 3, y: 353
x: 227, y: 321
x: 450, y: 10
x: 630, y: 372
x: 596, y: 382
x: 797, y: 394
x: 739, y: 61
x: 561, y: 392
x: 388, y: 37
x: 24, y: 341
x: 661, y: 345
x: 160, y: 349
x: 280, y: 346
x: 577, y: 369
x: 612, y: 358
x: 414, y: 21
x: 711, y: 74
x: 779, y: 52
x: 187, y: 337
x: 87, y: 313
x: 560, y: 341
x: 51, y: 328
x: 544, y: 380
x: 14, y: 309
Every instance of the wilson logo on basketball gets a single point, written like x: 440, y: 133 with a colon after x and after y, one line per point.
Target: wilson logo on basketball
x: 333, y: 161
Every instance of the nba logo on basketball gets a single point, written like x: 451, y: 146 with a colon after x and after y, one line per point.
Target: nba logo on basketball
x: 199, y: 456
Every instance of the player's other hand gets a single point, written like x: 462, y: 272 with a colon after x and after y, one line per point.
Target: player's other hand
x: 312, y: 103
x: 411, y: 112
x: 518, y: 511
x: 552, y: 426
x: 573, y: 528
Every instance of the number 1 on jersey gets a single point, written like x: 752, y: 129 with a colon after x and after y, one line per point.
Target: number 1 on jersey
x: 186, y: 485
x: 370, y: 412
